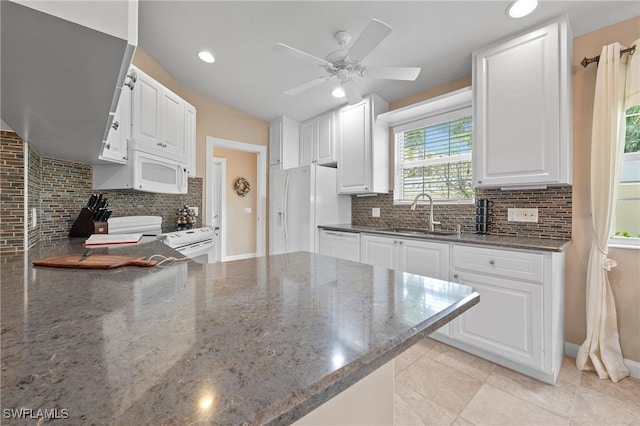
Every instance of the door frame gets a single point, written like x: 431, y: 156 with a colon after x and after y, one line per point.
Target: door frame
x: 222, y: 183
x: 261, y: 197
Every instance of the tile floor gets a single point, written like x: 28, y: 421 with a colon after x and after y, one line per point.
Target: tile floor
x: 436, y: 384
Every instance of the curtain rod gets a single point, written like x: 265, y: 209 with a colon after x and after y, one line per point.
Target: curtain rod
x: 586, y: 61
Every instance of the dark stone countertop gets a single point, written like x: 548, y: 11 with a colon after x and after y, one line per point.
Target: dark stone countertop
x: 489, y: 240
x: 255, y: 341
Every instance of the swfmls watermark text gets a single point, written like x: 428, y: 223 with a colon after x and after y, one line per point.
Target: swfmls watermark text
x: 35, y: 414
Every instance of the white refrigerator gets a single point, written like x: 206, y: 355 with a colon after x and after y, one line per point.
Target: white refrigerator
x: 300, y: 199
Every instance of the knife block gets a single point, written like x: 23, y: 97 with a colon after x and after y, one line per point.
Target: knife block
x: 85, y: 226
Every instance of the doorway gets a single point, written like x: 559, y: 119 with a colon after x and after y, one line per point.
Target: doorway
x: 218, y: 184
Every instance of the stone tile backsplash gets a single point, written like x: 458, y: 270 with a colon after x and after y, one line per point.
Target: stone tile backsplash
x: 554, y: 212
x: 58, y: 189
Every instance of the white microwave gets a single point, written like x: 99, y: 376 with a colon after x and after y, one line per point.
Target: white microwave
x: 143, y: 172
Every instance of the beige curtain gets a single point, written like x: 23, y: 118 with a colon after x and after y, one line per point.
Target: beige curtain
x: 601, y: 350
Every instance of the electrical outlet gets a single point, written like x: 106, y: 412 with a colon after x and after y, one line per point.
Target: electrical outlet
x: 34, y: 217
x: 375, y: 212
x: 195, y: 211
x: 247, y: 210
x: 522, y: 215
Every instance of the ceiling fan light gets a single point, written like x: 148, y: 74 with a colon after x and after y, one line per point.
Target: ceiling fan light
x: 206, y: 57
x: 338, y: 92
x: 521, y: 8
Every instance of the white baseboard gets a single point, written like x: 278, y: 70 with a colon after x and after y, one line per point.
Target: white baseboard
x: 240, y: 256
x: 571, y: 349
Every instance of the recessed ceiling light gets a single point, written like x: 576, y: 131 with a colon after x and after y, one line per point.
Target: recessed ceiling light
x: 338, y: 92
x: 206, y: 57
x: 521, y: 8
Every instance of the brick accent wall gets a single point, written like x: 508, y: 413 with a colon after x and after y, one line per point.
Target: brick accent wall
x: 33, y: 194
x: 11, y: 193
x: 58, y: 189
x: 554, y: 212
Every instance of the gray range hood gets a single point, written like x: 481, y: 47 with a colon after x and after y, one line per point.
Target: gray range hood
x: 62, y: 69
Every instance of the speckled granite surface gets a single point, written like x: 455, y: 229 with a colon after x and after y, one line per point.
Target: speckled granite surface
x: 256, y: 341
x: 467, y: 238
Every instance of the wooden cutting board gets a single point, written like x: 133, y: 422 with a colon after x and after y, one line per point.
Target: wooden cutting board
x: 94, y: 261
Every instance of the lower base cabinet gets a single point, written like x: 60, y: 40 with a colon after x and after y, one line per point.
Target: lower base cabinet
x: 519, y: 322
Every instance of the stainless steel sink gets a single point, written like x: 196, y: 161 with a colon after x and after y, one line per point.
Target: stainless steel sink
x: 415, y: 231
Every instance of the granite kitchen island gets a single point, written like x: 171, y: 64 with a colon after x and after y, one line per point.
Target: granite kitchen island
x: 256, y: 341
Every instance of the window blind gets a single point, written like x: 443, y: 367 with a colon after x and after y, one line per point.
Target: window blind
x: 435, y: 159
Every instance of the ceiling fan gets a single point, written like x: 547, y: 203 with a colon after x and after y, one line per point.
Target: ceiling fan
x: 346, y: 63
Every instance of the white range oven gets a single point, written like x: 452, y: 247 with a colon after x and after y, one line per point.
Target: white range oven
x: 196, y: 243
x: 199, y: 244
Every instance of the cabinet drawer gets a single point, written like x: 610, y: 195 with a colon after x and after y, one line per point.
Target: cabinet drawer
x: 505, y: 263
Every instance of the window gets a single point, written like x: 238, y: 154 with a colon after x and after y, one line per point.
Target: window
x: 626, y: 227
x: 433, y: 155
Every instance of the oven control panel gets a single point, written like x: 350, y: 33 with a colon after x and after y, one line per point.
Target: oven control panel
x: 188, y: 236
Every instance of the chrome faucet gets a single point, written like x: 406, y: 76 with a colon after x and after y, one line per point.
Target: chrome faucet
x: 432, y: 223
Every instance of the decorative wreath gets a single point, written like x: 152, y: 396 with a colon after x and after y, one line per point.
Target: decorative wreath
x: 242, y: 187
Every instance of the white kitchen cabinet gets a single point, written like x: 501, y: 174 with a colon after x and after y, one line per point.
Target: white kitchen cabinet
x: 158, y: 118
x: 284, y: 140
x: 522, y: 126
x: 190, y: 138
x: 344, y: 245
x: 426, y: 258
x: 363, y: 148
x: 317, y: 141
x: 519, y: 322
x: 114, y: 148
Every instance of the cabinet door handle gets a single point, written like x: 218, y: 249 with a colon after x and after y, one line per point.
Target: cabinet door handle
x: 401, y: 242
x: 134, y: 77
x: 115, y: 125
x: 108, y: 146
x: 456, y: 276
x: 479, y: 181
x: 491, y: 262
x: 159, y: 144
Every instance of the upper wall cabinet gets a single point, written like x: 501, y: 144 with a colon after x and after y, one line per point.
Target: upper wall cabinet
x: 63, y: 67
x: 363, y: 148
x: 522, y: 134
x: 317, y: 140
x: 190, y: 138
x: 284, y: 140
x: 158, y: 118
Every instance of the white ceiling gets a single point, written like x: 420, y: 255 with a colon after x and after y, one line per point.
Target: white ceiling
x: 249, y: 75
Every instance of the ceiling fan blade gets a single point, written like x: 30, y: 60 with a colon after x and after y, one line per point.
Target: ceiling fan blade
x: 373, y: 34
x: 392, y: 73
x: 300, y: 55
x: 351, y: 91
x: 306, y: 85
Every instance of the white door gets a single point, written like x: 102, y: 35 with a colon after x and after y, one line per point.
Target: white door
x: 354, y: 173
x: 217, y: 205
x: 507, y: 321
x: 325, y: 146
x: 424, y: 258
x: 308, y: 132
x: 146, y: 107
x: 378, y: 251
x: 172, y: 125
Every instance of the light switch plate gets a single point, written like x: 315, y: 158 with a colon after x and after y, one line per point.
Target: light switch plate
x: 247, y: 209
x: 375, y: 212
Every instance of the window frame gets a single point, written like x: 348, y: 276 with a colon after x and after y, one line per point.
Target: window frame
x: 614, y: 240
x: 452, y: 113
